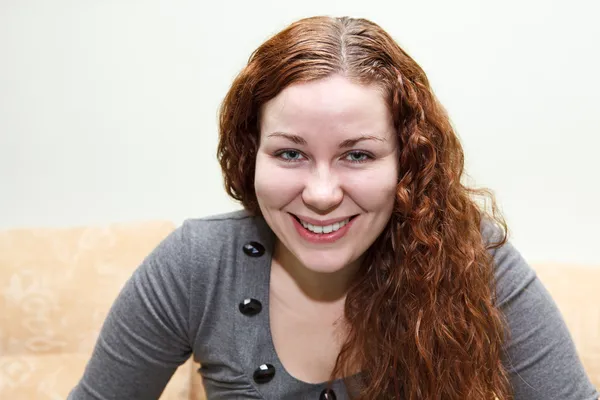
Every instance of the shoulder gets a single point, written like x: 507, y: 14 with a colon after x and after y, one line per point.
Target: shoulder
x: 217, y: 232
x: 540, y: 356
x: 511, y: 271
x: 218, y: 240
x: 200, y: 242
x: 219, y: 223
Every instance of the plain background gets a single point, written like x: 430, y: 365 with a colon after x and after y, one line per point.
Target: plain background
x: 108, y: 109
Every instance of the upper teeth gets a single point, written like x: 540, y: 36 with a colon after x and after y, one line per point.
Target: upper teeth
x: 326, y: 228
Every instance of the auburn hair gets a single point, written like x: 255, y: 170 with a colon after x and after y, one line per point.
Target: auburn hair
x: 422, y: 317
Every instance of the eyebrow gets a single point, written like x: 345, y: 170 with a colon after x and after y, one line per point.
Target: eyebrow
x: 345, y: 144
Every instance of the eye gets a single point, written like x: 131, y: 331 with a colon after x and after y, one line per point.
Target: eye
x: 289, y: 155
x: 358, y: 156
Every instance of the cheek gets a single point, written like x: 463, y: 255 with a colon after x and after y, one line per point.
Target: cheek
x: 373, y: 189
x: 275, y: 186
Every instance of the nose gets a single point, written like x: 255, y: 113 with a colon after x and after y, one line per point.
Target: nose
x: 322, y: 191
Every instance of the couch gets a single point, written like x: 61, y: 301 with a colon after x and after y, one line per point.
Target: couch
x: 56, y: 286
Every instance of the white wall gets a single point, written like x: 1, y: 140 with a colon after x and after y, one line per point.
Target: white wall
x: 108, y: 108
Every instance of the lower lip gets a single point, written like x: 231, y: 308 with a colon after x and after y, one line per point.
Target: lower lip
x: 321, y: 238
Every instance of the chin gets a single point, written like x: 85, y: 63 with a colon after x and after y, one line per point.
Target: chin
x: 325, y: 265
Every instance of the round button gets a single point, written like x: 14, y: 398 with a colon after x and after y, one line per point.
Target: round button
x: 264, y: 373
x: 250, y: 307
x: 254, y: 249
x: 327, y: 394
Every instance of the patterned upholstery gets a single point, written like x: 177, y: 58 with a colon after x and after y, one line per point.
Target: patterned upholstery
x: 575, y: 289
x: 56, y: 286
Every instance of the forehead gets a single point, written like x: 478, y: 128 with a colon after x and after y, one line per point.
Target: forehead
x: 327, y: 105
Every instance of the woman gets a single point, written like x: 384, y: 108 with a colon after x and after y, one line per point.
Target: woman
x: 361, y: 267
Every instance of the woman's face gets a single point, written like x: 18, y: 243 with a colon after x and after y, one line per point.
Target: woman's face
x: 326, y: 170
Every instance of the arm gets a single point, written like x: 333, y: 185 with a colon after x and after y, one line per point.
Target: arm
x: 539, y: 353
x: 145, y: 336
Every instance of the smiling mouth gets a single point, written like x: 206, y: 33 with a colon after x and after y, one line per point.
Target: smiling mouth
x: 323, y: 229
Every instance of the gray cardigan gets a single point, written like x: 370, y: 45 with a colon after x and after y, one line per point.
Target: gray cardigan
x: 203, y: 292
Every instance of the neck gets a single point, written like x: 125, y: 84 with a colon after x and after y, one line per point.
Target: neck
x: 319, y: 287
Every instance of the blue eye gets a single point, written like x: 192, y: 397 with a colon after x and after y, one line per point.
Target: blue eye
x: 358, y: 157
x: 289, y: 155
x: 296, y: 156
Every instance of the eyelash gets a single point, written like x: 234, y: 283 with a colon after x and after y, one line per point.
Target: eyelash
x: 368, y: 157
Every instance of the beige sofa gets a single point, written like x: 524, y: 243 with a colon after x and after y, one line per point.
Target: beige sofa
x: 56, y: 286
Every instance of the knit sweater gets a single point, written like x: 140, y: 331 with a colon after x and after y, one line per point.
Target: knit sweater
x: 204, y: 293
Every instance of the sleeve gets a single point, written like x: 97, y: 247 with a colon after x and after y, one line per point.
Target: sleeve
x: 145, y: 336
x: 539, y: 352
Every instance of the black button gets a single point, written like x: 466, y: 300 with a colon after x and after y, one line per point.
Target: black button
x: 264, y: 373
x: 327, y: 394
x: 254, y: 249
x: 250, y: 307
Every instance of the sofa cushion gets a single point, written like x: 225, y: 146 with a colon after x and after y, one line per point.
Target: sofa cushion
x: 575, y: 289
x: 56, y: 286
x: 52, y: 376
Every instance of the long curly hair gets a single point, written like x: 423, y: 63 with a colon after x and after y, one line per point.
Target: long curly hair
x: 421, y: 316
